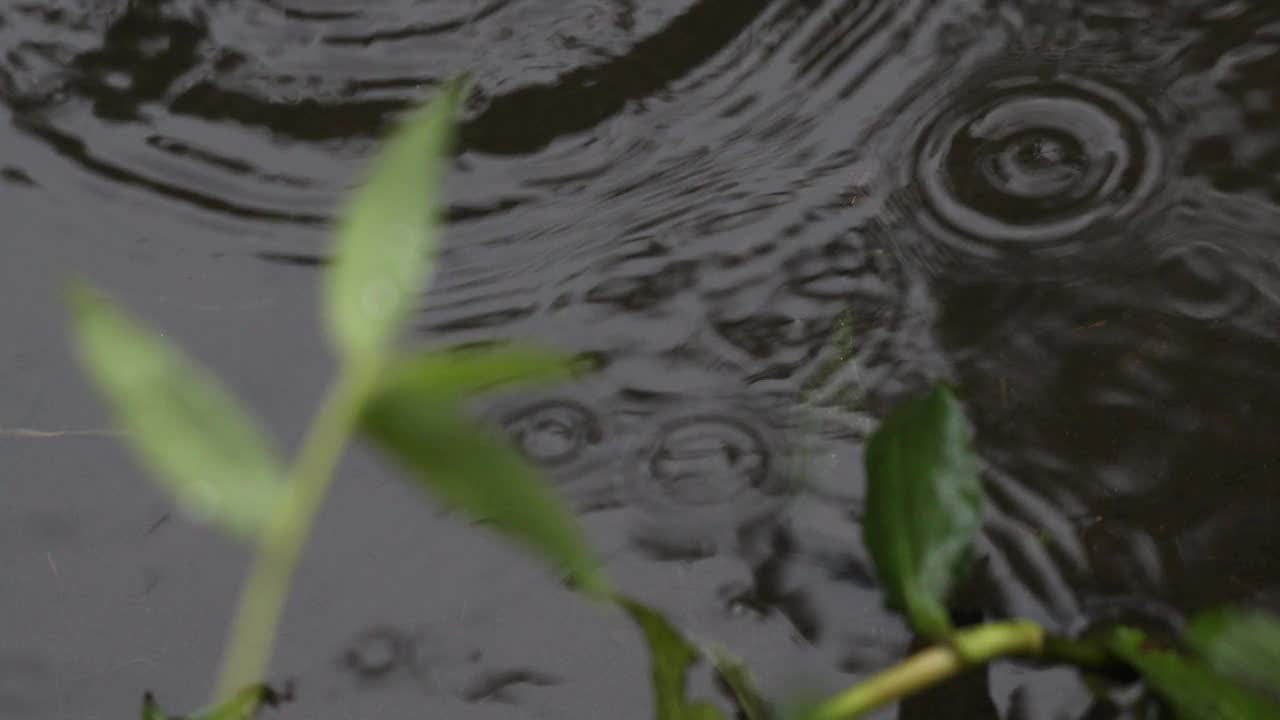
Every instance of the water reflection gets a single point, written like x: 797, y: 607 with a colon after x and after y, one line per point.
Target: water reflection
x: 554, y: 432
x: 568, y: 437
x: 22, y: 679
x: 775, y: 218
x: 693, y: 475
x: 1044, y: 160
x: 1147, y: 413
x: 437, y: 662
x: 704, y: 474
x: 1032, y: 159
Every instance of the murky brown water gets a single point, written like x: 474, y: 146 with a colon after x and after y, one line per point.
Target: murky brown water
x: 1069, y: 208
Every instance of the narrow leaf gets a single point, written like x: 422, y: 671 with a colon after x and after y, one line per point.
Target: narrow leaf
x: 1192, y: 689
x: 474, y: 472
x: 387, y: 238
x: 737, y: 679
x: 923, y: 506
x: 184, y: 427
x: 457, y: 374
x: 1243, y: 646
x: 670, y: 659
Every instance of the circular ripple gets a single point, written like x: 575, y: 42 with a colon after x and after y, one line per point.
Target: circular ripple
x: 565, y: 437
x: 375, y: 653
x: 706, y: 473
x: 1203, y: 281
x: 553, y: 432
x: 1037, y: 164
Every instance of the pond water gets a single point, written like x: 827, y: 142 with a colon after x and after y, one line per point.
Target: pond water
x: 772, y: 219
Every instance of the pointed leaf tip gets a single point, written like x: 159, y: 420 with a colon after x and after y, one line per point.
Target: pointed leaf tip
x: 671, y: 657
x: 387, y: 237
x: 468, y: 469
x: 184, y: 427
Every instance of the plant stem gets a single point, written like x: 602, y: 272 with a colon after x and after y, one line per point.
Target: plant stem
x: 262, y: 599
x: 1082, y: 654
x: 932, y: 665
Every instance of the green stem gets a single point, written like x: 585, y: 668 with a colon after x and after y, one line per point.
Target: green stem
x: 932, y: 665
x: 263, y: 597
x: 1089, y: 655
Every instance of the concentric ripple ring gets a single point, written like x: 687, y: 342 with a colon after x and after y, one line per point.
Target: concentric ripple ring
x: 1036, y: 164
x: 553, y: 432
x: 707, y: 471
x: 567, y: 438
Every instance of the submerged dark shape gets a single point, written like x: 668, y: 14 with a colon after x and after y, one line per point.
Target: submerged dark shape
x: 527, y: 120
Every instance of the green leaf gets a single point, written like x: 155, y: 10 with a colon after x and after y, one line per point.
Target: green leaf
x: 1192, y: 688
x: 802, y: 703
x: 196, y: 441
x: 737, y: 678
x: 387, y: 238
x: 704, y: 711
x: 457, y: 374
x: 670, y: 658
x: 469, y: 469
x: 923, y: 506
x: 1241, y: 645
x: 151, y: 709
x: 244, y: 705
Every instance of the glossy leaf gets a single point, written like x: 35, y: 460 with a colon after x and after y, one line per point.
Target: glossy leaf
x: 1193, y: 690
x: 923, y: 506
x: 387, y: 238
x: 470, y: 470
x: 197, y: 442
x: 1243, y: 646
x: 457, y: 374
x: 670, y: 659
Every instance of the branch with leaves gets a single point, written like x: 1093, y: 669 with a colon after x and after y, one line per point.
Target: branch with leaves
x: 923, y: 499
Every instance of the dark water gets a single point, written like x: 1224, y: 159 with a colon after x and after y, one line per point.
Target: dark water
x: 772, y: 219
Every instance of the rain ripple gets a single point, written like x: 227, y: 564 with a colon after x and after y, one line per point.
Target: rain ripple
x: 691, y: 475
x: 1033, y: 159
x: 247, y: 117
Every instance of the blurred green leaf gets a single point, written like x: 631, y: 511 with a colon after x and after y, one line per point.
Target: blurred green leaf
x: 923, y: 506
x: 465, y: 467
x: 457, y: 374
x: 387, y: 238
x: 737, y: 678
x: 704, y: 711
x: 802, y: 703
x: 197, y: 442
x: 1193, y: 690
x: 244, y: 705
x: 670, y: 659
x: 151, y: 709
x: 1241, y: 645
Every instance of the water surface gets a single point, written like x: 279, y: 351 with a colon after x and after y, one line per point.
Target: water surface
x: 772, y: 219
